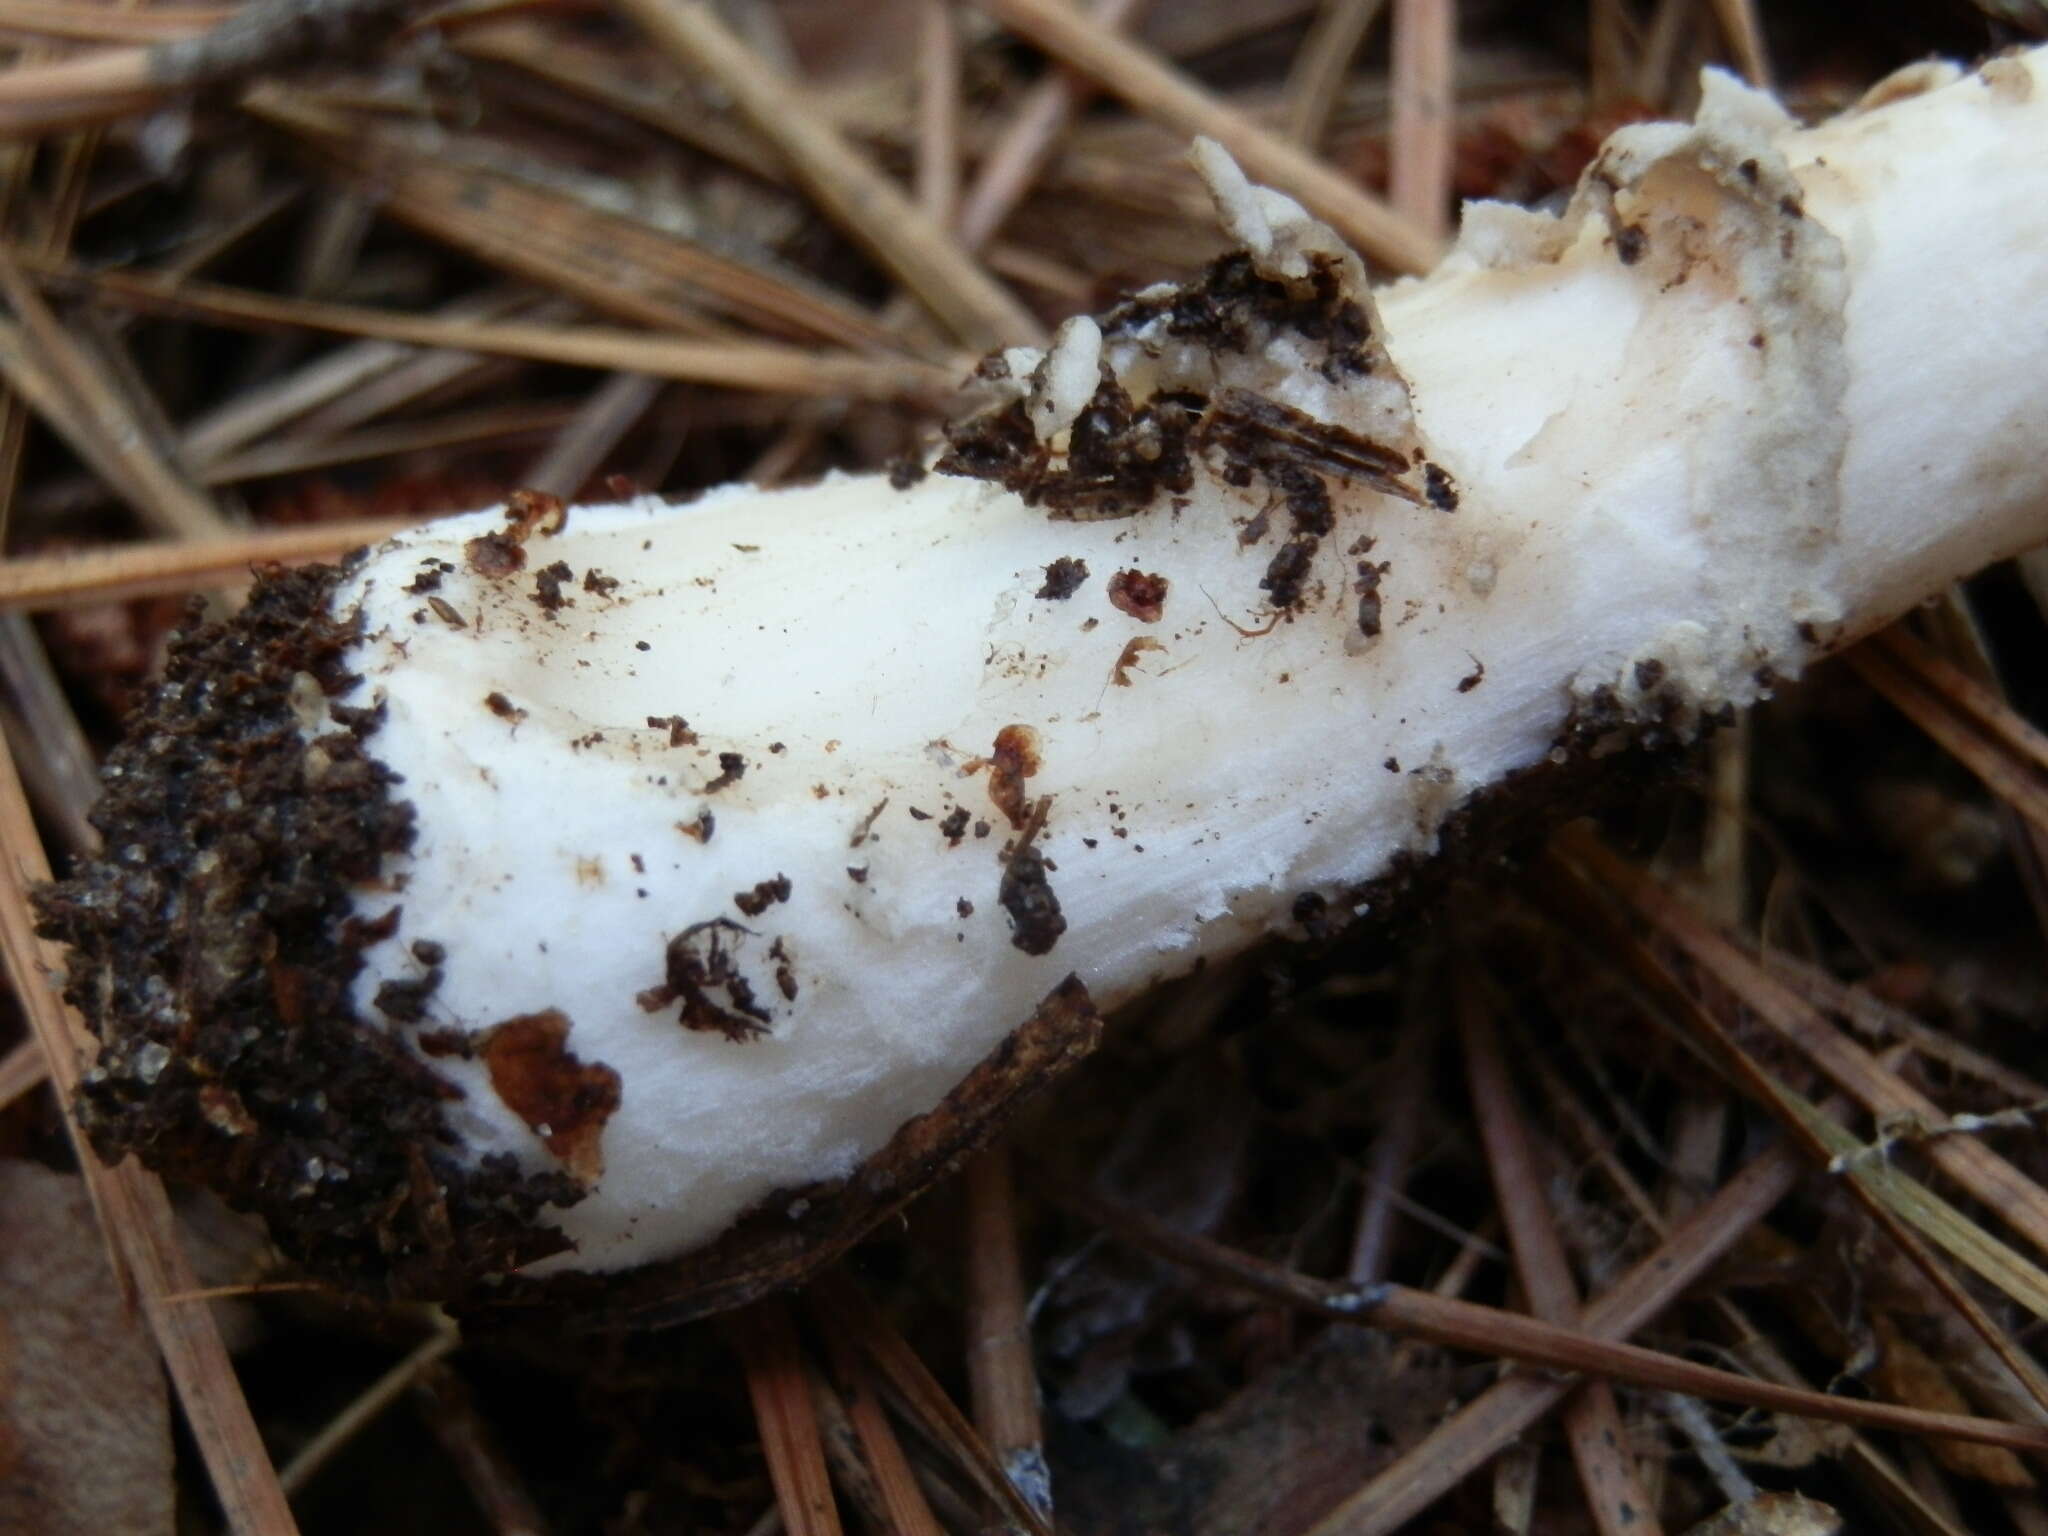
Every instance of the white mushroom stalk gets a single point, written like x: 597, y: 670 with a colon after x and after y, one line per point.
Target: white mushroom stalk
x: 676, y: 858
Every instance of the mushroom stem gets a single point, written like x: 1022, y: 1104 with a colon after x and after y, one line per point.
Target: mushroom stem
x: 601, y: 884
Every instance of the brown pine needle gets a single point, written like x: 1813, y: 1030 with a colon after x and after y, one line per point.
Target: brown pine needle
x: 78, y: 397
x: 778, y: 1382
x: 618, y: 265
x: 265, y: 35
x: 520, y: 422
x: 2018, y: 1200
x: 1490, y: 1331
x: 903, y: 1502
x: 1478, y: 1431
x: 92, y: 24
x: 588, y: 439
x: 1745, y: 33
x: 1930, y: 708
x: 757, y: 365
x: 857, y: 196
x: 1316, y: 81
x: 1962, y: 693
x: 1028, y: 141
x: 999, y: 1368
x: 1901, y: 1206
x: 120, y: 571
x: 450, y: 1411
x: 22, y: 1070
x: 1425, y: 112
x: 1151, y: 87
x: 844, y: 1311
x: 1592, y: 1420
x: 134, y: 1212
x: 938, y: 110
x: 365, y: 1408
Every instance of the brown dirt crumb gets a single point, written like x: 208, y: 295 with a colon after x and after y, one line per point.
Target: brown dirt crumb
x: 765, y: 894
x: 1014, y: 759
x: 1141, y: 594
x: 564, y: 1100
x: 1063, y: 578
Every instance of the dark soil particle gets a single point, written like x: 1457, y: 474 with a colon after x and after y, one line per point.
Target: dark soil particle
x: 905, y: 473
x: 597, y: 584
x: 212, y: 954
x: 953, y: 826
x: 1231, y: 305
x: 1288, y: 570
x: 429, y: 578
x: 503, y: 708
x: 731, y: 769
x: 785, y: 971
x: 1438, y: 489
x: 763, y: 896
x: 1063, y: 577
x: 1629, y: 244
x: 1368, y: 589
x: 1026, y: 894
x: 494, y: 555
x: 700, y: 961
x: 406, y: 1001
x: 548, y: 582
x: 1120, y: 457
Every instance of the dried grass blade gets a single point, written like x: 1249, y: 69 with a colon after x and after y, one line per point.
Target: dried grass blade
x: 134, y: 1211
x: 1159, y: 91
x: 870, y: 207
x: 778, y: 1382
x: 589, y: 75
x: 938, y: 110
x: 1739, y: 21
